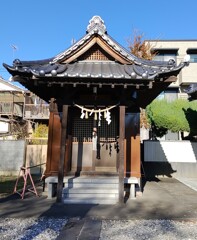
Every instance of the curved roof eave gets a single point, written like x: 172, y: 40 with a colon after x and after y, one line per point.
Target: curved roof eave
x: 85, y: 69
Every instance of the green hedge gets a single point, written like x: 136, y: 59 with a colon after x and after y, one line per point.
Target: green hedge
x: 178, y: 115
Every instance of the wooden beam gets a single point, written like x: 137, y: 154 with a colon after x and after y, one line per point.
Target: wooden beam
x: 62, y: 152
x: 121, y: 154
x: 171, y: 79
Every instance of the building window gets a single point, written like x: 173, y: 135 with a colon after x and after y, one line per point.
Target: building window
x: 193, y: 54
x: 165, y: 54
x: 193, y: 58
x: 169, y: 95
x: 165, y: 57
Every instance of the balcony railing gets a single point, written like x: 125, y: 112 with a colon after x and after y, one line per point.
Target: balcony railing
x: 39, y: 111
x: 11, y: 109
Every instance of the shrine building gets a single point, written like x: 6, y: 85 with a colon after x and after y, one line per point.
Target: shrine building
x: 96, y: 89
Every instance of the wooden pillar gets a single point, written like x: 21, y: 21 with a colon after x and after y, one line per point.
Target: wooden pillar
x: 121, y: 153
x: 62, y: 152
x: 132, y: 150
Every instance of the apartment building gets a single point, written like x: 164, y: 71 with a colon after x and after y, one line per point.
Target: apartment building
x: 19, y: 106
x: 177, y: 50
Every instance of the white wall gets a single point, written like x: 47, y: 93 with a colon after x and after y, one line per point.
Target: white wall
x: 4, y: 127
x: 170, y: 158
x: 170, y: 151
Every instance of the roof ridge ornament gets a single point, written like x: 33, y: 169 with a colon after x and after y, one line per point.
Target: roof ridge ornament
x: 96, y: 21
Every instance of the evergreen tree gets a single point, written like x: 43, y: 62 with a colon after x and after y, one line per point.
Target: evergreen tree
x: 176, y: 116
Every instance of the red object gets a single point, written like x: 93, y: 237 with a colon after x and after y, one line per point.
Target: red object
x: 25, y: 171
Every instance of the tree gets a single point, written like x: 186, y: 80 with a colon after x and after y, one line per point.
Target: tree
x: 18, y: 129
x: 176, y: 116
x: 144, y: 122
x: 141, y: 48
x: 161, y: 115
x: 40, y: 131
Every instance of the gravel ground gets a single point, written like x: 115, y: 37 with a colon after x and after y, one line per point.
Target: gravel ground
x: 30, y: 228
x: 148, y: 229
x: 49, y: 228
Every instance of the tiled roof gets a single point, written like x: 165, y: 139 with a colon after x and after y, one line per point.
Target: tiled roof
x: 56, y: 67
x: 96, y: 60
x: 93, y: 69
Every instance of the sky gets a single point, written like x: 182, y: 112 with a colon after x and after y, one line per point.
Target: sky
x: 41, y: 29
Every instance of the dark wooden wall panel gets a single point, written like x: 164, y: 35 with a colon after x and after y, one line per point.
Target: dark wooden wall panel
x: 132, y: 160
x: 53, y: 153
x: 135, y: 157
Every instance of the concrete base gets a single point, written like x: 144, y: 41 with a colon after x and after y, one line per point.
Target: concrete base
x: 132, y: 182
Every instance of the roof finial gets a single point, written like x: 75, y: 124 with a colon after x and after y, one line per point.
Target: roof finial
x: 96, y: 21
